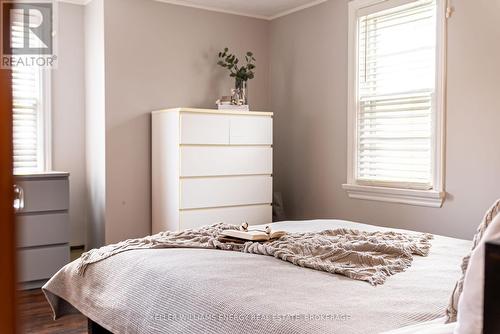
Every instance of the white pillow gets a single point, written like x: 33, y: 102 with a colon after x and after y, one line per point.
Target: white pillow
x: 470, y: 304
x: 451, y: 310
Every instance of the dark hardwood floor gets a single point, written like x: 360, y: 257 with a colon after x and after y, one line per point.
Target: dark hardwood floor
x: 36, y: 316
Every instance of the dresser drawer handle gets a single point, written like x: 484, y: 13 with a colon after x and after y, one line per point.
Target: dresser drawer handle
x: 18, y: 198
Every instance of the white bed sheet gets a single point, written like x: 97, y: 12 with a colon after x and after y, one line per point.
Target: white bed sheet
x: 126, y: 292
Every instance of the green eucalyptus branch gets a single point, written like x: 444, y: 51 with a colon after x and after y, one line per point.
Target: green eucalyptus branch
x: 241, y: 73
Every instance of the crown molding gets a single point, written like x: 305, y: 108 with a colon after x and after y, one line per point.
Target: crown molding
x: 213, y: 9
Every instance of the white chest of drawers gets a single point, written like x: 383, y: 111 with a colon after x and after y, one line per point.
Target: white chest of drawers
x: 42, y: 226
x: 210, y: 166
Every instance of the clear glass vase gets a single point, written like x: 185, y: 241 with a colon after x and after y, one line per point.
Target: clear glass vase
x: 241, y: 92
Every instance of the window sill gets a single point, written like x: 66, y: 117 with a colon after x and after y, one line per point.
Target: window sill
x: 39, y: 174
x: 429, y: 198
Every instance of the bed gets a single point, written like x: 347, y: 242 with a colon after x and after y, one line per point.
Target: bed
x: 213, y: 291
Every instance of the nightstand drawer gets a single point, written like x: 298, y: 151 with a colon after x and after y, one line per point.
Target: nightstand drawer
x: 44, y: 195
x: 41, y: 263
x: 42, y: 229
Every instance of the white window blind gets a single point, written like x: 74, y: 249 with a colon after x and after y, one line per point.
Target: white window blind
x: 27, y: 128
x: 395, y: 93
x: 28, y: 107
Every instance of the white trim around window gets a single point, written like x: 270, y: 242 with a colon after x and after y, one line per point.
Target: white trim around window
x: 46, y: 94
x: 397, y: 192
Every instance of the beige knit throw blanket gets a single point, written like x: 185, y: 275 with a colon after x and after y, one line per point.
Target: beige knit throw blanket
x: 366, y: 256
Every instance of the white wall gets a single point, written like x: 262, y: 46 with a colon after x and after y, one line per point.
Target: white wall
x: 156, y: 56
x: 68, y: 114
x: 163, y: 55
x: 95, y: 122
x: 309, y: 97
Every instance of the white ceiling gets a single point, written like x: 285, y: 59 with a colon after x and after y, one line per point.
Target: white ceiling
x: 263, y: 9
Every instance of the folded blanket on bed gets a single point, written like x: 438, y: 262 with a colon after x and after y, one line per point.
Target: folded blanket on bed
x: 360, y: 255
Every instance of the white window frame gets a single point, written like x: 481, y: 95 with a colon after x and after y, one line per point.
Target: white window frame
x: 45, y: 152
x: 44, y: 114
x: 435, y: 196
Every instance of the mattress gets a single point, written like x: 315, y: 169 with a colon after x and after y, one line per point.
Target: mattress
x: 214, y: 291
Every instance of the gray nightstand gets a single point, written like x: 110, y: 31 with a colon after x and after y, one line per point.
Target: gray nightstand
x: 42, y: 201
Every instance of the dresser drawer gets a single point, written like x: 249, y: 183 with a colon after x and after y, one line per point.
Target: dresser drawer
x: 204, y: 129
x: 252, y: 214
x: 41, y: 263
x: 251, y: 130
x: 45, y: 195
x: 226, y: 160
x: 225, y: 191
x: 42, y: 229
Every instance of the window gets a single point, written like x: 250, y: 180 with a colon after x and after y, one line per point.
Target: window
x: 31, y: 118
x: 396, y: 101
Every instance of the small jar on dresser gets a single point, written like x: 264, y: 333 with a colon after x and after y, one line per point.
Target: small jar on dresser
x: 42, y: 204
x: 211, y: 166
